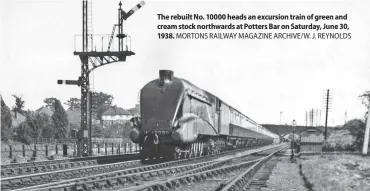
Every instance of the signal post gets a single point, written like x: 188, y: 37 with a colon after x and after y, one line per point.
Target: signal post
x: 92, y: 59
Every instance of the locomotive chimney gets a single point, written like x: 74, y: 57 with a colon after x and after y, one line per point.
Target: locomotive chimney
x: 165, y: 75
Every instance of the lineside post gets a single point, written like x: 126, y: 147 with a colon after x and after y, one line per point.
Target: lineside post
x: 367, y: 132
x: 293, y: 140
x: 1, y: 100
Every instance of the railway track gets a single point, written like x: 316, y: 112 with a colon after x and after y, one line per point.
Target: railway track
x: 216, y: 176
x: 18, y: 182
x: 42, y: 167
x: 132, y: 177
x: 20, y: 169
x: 247, y: 179
x: 26, y: 164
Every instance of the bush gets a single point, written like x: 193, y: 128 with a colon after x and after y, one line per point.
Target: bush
x: 6, y: 122
x: 339, y: 141
x: 116, y: 130
x: 357, y: 130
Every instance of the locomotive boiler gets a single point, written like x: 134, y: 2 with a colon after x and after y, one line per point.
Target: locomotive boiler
x: 179, y: 120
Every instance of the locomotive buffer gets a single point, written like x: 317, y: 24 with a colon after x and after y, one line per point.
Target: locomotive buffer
x: 92, y: 59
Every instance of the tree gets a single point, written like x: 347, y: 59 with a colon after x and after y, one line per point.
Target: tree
x: 22, y: 133
x: 135, y: 111
x: 116, y: 130
x: 60, y: 120
x: 19, y: 104
x: 37, y: 122
x: 49, y: 102
x: 100, y: 103
x: 33, y: 127
x: 357, y: 130
x: 73, y: 103
x: 6, y: 121
x: 48, y: 131
x: 97, y: 130
x: 366, y: 101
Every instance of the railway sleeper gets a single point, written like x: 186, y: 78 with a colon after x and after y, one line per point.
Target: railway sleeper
x: 41, y: 169
x: 102, y: 184
x: 82, y: 188
x: 27, y: 181
x: 161, y: 173
x: 5, y: 185
x: 145, y: 176
x: 36, y: 179
x: 175, y: 183
x: 7, y: 172
x: 113, y: 182
x: 62, y: 175
x: 57, y: 189
x: 27, y: 170
x: 89, y: 170
x: 122, y: 180
x: 17, y: 171
x: 153, y: 174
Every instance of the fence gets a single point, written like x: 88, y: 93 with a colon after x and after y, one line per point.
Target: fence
x: 67, y: 150
x: 71, y: 140
x: 51, y: 140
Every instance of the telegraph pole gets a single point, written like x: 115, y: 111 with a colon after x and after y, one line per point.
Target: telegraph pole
x: 327, y: 111
x: 311, y: 117
x: 328, y: 99
x: 280, y: 116
x: 306, y: 118
x: 316, y: 116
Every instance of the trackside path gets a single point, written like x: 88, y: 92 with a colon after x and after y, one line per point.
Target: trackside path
x: 285, y: 176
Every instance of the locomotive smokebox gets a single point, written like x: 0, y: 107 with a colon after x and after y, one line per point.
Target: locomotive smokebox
x: 165, y: 75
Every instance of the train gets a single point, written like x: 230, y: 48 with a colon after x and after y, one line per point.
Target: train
x: 180, y: 120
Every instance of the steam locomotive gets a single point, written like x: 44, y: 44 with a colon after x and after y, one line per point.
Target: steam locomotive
x: 180, y: 120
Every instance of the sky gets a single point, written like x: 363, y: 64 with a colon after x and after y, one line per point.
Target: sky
x: 260, y: 78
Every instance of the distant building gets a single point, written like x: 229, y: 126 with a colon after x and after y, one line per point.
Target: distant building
x: 312, y: 140
x: 135, y: 111
x: 17, y: 118
x: 45, y: 110
x: 74, y: 117
x: 116, y: 115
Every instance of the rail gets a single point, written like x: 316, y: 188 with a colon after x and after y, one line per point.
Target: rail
x: 241, y: 182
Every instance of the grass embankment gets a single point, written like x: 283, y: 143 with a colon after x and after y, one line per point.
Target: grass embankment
x: 337, y: 172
